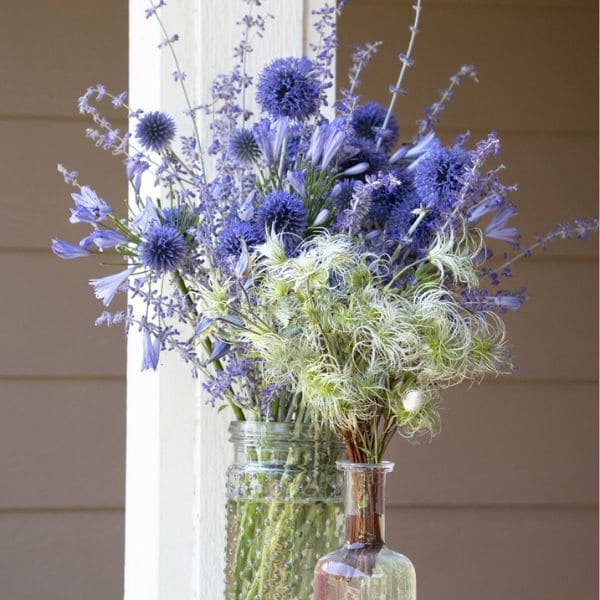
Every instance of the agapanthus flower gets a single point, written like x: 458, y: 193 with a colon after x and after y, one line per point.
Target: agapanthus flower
x: 89, y: 207
x: 439, y: 175
x: 497, y: 229
x: 234, y: 234
x: 104, y: 239
x: 163, y: 250
x: 68, y: 251
x: 270, y: 138
x: 288, y: 88
x: 326, y: 142
x: 106, y: 288
x: 150, y: 351
x: 243, y: 146
x: 147, y: 217
x: 367, y: 121
x: 285, y: 214
x: 155, y: 131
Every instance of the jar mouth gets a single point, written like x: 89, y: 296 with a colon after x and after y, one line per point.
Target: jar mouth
x: 385, y: 466
x: 276, y: 431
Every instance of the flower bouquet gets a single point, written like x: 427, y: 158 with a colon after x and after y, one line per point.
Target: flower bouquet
x: 324, y: 279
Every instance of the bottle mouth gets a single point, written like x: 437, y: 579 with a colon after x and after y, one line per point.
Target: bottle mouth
x: 384, y: 466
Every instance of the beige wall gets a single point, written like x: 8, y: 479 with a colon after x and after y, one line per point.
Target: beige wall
x: 61, y: 380
x: 503, y: 503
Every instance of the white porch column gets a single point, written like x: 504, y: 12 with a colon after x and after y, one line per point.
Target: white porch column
x: 177, y: 448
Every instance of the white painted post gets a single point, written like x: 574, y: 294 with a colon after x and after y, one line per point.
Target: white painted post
x: 177, y: 448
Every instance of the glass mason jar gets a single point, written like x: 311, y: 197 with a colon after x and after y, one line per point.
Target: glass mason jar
x: 284, y: 509
x: 364, y: 568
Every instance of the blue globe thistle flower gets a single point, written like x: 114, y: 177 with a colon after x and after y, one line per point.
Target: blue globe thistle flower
x: 439, y: 175
x: 155, y: 131
x: 367, y: 120
x: 229, y: 246
x: 364, y: 151
x: 288, y: 88
x: 384, y: 199
x: 163, y: 250
x: 285, y: 213
x: 243, y: 146
x: 401, y: 219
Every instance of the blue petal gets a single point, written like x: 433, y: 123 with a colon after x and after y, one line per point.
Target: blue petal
x: 65, y: 250
x: 220, y: 349
x: 151, y: 351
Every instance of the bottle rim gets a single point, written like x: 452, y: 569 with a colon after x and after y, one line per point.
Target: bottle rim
x: 384, y: 466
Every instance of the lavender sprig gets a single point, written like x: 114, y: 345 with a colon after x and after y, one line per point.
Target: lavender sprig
x: 407, y: 62
x: 432, y: 112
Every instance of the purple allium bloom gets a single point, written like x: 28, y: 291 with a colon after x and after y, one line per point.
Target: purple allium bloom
x: 243, y: 146
x: 439, y: 175
x: 89, y: 207
x: 66, y: 250
x: 151, y: 351
x: 284, y: 213
x: 106, y: 288
x: 231, y: 238
x: 103, y: 238
x: 155, y: 131
x: 367, y: 121
x: 288, y: 88
x: 163, y: 249
x: 497, y: 226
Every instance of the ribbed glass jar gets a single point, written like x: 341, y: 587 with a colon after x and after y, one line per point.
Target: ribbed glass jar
x: 365, y: 568
x: 284, y: 509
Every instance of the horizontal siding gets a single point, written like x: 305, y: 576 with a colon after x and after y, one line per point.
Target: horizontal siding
x: 62, y: 405
x: 52, y: 312
x: 62, y: 444
x: 61, y: 555
x: 520, y: 445
x: 535, y: 63
x: 33, y: 210
x: 504, y: 445
x: 50, y: 56
x: 499, y: 554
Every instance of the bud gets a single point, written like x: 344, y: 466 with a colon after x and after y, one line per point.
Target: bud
x: 414, y: 400
x: 321, y: 217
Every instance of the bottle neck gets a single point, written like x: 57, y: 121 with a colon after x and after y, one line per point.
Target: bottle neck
x: 364, y: 488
